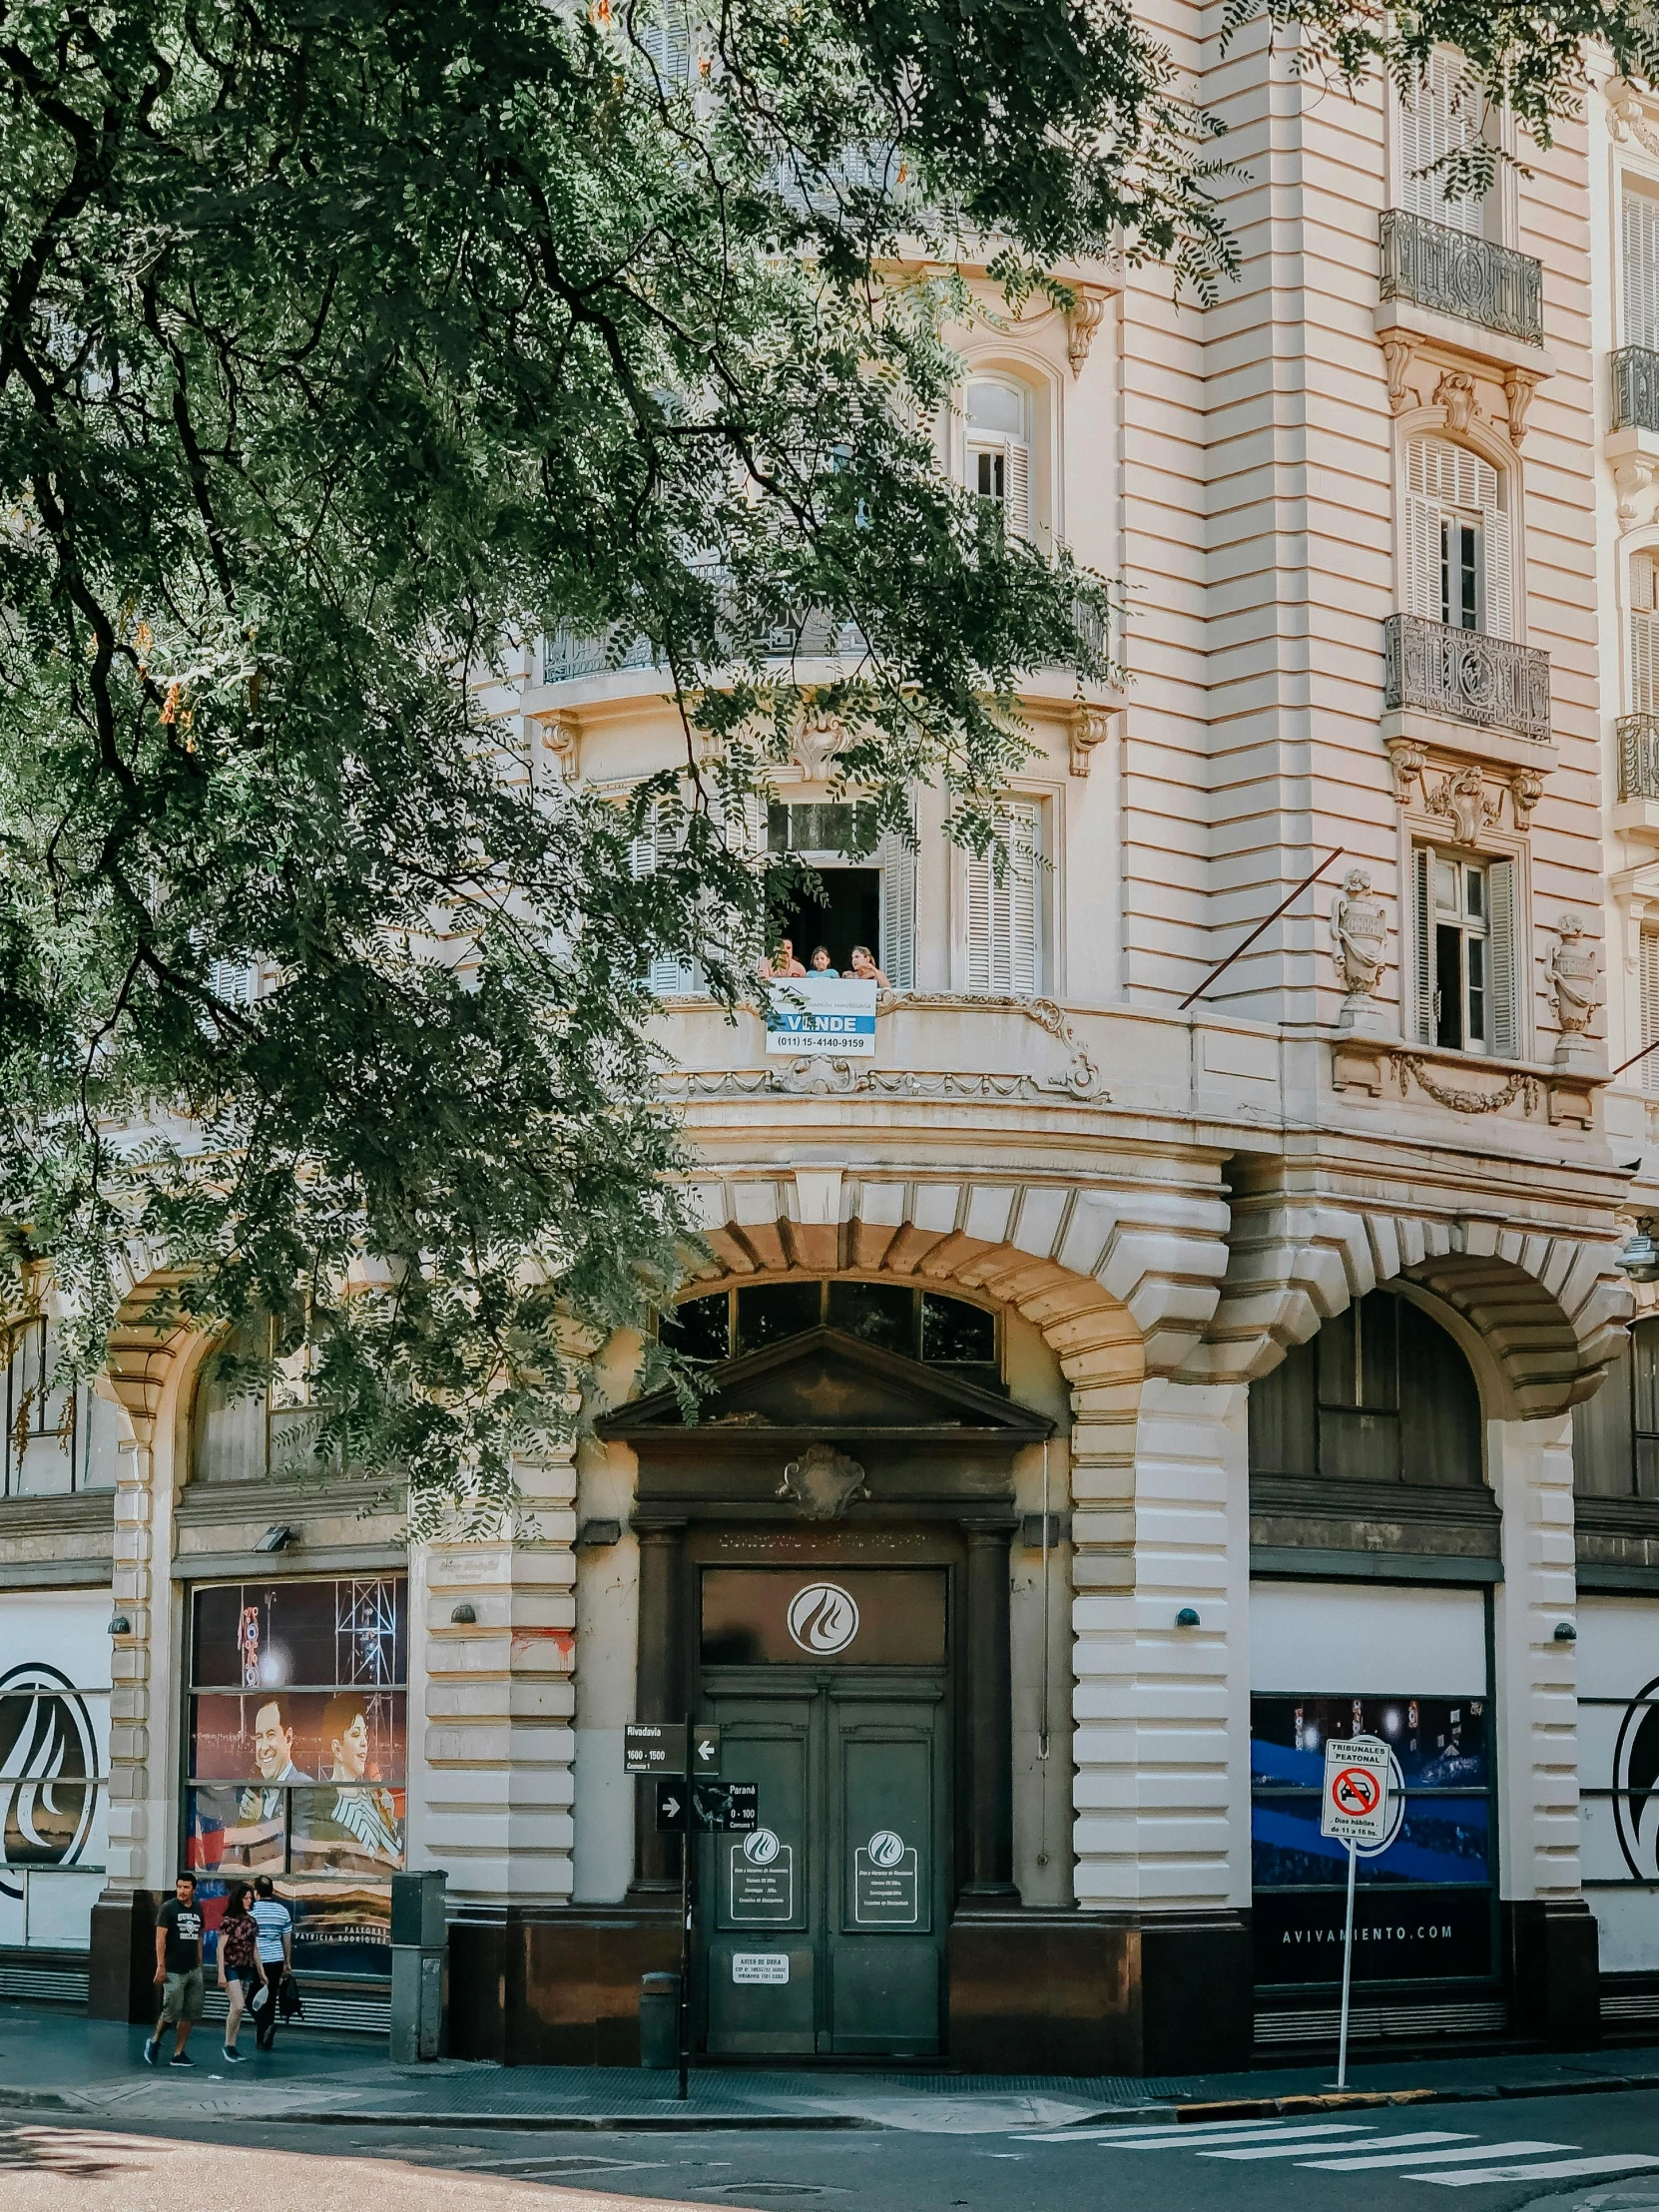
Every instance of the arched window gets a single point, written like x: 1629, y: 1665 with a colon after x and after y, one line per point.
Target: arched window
x: 241, y: 1435
x: 1615, y: 1435
x: 919, y: 1325
x: 1383, y: 1395
x: 997, y: 410
x: 1459, y: 560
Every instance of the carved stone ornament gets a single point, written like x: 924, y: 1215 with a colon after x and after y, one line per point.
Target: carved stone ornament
x: 1519, y: 386
x: 1083, y: 319
x: 562, y: 735
x: 1526, y: 787
x: 1633, y: 479
x: 1359, y: 947
x: 822, y: 1482
x: 1408, y: 760
x: 1466, y: 803
x: 814, y: 746
x: 1628, y: 113
x: 1570, y: 971
x: 1398, y: 353
x: 1456, y: 393
x: 1090, y: 725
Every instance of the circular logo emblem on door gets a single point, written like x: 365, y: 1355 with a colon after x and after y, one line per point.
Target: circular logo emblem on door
x: 1636, y: 1783
x: 822, y: 1619
x: 48, y: 1773
x: 761, y: 1847
x: 885, y: 1848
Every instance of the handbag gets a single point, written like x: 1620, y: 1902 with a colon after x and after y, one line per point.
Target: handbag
x: 288, y: 2002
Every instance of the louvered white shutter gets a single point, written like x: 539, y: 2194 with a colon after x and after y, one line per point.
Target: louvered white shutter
x: 1003, y: 945
x: 1650, y: 1007
x: 1498, y: 560
x: 1016, y: 477
x: 897, y: 954
x: 1422, y: 865
x: 1437, y: 119
x: 1644, y: 636
x: 669, y: 978
x: 232, y: 981
x: 1503, y: 953
x: 1641, y: 270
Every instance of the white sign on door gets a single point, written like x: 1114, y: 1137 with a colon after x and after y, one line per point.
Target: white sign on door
x: 769, y: 1967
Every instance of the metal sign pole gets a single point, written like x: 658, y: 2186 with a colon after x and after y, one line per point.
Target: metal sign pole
x: 1347, y: 1968
x: 688, y: 1837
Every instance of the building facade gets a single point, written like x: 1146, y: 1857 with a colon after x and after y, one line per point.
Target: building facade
x: 1132, y: 1373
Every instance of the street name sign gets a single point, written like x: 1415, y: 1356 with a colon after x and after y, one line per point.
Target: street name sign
x: 653, y: 1746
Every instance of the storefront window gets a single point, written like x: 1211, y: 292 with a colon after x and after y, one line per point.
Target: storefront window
x: 1424, y: 1907
x: 297, y: 1733
x: 54, y: 1764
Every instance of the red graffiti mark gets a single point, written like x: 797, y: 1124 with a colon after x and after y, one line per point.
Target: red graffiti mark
x: 564, y: 1638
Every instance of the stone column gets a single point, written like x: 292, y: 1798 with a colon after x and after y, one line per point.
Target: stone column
x: 500, y: 1704
x: 1162, y: 1837
x: 1552, y: 1934
x: 989, y: 1718
x: 662, y: 1682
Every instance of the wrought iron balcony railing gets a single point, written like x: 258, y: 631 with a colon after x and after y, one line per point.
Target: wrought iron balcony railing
x: 1466, y: 675
x: 1635, y: 389
x: 1470, y: 278
x: 1638, y: 755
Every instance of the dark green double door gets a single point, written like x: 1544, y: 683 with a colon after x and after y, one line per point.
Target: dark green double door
x: 825, y: 1930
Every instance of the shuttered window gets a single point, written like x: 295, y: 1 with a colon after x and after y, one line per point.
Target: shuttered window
x: 1640, y: 227
x: 1644, y: 634
x: 998, y: 446
x: 1440, y: 116
x: 1466, y: 995
x: 1004, y: 918
x: 898, y: 954
x: 1650, y: 1008
x: 669, y: 978
x: 1459, y: 560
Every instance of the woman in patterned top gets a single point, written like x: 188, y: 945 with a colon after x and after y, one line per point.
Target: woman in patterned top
x: 240, y: 1969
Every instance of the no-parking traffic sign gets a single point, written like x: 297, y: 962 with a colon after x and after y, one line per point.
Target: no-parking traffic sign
x: 1358, y: 1805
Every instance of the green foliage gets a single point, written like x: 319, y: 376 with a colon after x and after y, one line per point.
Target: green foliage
x: 345, y: 348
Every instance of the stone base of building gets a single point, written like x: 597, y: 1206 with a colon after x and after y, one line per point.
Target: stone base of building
x: 1554, y: 1971
x: 1029, y: 1990
x: 122, y: 1963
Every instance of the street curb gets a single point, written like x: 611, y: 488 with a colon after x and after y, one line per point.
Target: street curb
x: 1361, y: 2100
x: 687, y: 2122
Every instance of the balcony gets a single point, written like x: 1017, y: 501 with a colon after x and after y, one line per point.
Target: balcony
x: 1446, y: 272
x: 1635, y: 389
x: 1464, y: 676
x: 1638, y: 753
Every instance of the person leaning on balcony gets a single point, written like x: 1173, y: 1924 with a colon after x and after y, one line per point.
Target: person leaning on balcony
x: 866, y: 969
x: 782, y: 963
x: 821, y: 962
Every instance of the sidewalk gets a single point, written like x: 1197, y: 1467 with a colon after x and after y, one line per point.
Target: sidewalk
x: 54, y: 2062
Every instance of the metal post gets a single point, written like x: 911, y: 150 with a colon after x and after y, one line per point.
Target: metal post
x: 686, y: 1838
x: 1347, y: 1969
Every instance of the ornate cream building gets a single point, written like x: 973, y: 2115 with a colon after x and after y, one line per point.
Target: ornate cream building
x: 1177, y: 1342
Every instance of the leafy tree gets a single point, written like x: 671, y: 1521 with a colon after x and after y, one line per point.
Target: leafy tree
x: 345, y: 348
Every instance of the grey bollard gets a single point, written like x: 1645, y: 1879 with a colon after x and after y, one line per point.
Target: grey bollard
x: 660, y: 2019
x: 419, y: 1948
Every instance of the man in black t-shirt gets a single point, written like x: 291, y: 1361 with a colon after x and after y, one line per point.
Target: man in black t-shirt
x: 178, y: 1970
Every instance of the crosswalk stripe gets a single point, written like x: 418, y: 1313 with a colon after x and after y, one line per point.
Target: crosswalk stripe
x: 1300, y: 2150
x: 1556, y: 2169
x: 1357, y: 2164
x: 1286, y: 2139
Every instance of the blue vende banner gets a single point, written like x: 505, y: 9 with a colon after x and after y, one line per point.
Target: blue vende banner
x: 821, y: 1013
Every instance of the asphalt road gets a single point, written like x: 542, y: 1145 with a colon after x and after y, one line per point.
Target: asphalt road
x: 1551, y: 2154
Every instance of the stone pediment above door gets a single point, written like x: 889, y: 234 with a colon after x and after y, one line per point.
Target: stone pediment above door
x: 827, y: 1386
